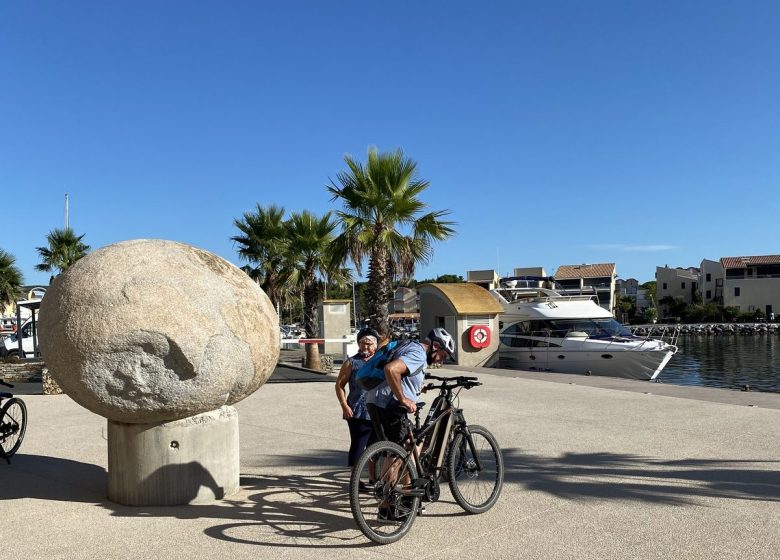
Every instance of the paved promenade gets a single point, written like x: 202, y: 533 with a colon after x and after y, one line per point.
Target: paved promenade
x: 595, y: 469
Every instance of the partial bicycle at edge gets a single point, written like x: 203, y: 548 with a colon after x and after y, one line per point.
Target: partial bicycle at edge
x: 13, y: 423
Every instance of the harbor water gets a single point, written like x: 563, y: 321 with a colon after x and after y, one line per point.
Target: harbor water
x: 733, y: 362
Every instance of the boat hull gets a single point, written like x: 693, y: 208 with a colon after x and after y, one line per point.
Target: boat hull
x: 632, y: 364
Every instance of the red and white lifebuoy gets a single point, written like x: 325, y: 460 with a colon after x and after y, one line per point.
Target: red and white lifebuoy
x: 479, y: 336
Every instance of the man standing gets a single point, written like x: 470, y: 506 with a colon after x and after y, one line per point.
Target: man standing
x: 391, y: 400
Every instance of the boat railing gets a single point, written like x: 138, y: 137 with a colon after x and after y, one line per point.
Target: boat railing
x: 520, y: 294
x: 665, y: 333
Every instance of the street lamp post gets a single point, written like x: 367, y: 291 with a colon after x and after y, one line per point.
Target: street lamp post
x: 354, y: 307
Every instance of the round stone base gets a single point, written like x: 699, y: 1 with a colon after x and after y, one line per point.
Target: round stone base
x: 189, y: 461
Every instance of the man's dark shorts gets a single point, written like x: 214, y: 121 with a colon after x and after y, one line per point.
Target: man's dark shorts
x: 389, y: 422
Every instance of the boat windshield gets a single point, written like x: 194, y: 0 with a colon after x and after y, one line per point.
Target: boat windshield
x: 595, y: 328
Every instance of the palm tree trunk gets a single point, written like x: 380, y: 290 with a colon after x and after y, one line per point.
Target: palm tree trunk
x: 310, y: 296
x: 379, y: 289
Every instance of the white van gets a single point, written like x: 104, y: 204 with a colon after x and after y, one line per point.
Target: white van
x: 9, y: 346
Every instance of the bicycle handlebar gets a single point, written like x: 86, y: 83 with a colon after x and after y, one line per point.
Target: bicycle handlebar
x: 451, y: 382
x: 461, y: 377
x: 6, y: 384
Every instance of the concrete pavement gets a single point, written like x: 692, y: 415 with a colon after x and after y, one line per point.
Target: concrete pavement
x: 594, y: 469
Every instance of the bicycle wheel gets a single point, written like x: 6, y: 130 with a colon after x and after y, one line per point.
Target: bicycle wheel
x: 385, y: 507
x: 13, y: 423
x: 475, y: 472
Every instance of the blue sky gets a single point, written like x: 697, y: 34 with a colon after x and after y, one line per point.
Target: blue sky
x: 640, y: 133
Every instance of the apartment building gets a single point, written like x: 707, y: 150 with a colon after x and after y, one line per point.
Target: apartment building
x: 589, y: 278
x: 711, y: 277
x: 751, y: 283
x: 676, y: 282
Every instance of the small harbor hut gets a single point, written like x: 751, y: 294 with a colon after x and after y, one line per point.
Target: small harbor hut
x: 469, y: 313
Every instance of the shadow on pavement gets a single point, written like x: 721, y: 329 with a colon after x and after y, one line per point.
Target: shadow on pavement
x: 52, y: 478
x: 578, y: 476
x: 312, y: 510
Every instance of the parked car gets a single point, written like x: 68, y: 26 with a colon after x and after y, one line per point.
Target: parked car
x: 9, y: 346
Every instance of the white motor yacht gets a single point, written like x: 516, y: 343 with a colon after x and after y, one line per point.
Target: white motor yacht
x: 545, y: 330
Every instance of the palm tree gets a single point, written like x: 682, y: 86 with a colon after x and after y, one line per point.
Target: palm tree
x: 11, y: 280
x: 383, y: 221
x: 311, y: 243
x: 263, y: 242
x: 64, y: 249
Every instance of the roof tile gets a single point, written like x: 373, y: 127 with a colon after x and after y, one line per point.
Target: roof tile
x: 567, y: 271
x: 744, y: 262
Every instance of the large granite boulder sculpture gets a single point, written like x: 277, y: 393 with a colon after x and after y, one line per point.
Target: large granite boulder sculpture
x: 151, y: 330
x: 161, y: 338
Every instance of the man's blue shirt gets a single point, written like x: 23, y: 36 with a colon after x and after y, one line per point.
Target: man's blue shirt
x: 413, y: 356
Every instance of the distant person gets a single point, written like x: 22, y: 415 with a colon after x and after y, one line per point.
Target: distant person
x: 353, y: 406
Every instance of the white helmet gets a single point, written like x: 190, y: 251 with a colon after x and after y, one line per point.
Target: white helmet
x: 444, y: 339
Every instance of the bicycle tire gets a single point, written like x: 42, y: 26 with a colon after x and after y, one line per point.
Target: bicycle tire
x: 400, y: 508
x: 467, y: 484
x: 13, y: 425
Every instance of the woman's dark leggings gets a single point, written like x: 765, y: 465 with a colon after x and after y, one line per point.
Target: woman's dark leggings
x: 361, y: 436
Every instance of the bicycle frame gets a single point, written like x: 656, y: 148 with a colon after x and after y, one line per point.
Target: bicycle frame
x: 432, y: 441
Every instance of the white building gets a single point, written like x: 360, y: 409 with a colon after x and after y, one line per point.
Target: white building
x: 752, y: 283
x: 676, y: 282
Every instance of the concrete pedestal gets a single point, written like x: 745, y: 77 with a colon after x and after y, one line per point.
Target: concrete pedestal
x: 189, y: 461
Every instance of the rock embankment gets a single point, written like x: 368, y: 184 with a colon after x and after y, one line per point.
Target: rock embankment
x: 709, y: 329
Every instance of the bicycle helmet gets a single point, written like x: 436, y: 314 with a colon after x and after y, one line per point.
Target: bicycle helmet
x: 368, y: 331
x: 444, y: 339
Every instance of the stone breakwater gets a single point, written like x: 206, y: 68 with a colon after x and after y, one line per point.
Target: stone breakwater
x: 708, y: 329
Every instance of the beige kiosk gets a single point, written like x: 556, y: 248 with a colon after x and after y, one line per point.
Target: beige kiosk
x: 334, y: 322
x: 469, y: 313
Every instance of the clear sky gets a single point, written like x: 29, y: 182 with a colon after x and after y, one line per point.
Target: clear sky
x: 560, y: 132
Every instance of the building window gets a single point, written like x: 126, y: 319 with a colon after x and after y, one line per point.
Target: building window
x: 719, y: 282
x: 709, y: 277
x: 736, y: 292
x: 683, y: 285
x: 664, y: 286
x: 709, y: 294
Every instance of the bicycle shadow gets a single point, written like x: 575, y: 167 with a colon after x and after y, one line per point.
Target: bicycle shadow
x: 614, y: 476
x: 295, y: 510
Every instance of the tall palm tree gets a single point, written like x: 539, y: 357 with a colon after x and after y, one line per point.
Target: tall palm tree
x: 11, y: 280
x: 64, y: 249
x: 385, y: 221
x: 263, y: 242
x: 311, y: 242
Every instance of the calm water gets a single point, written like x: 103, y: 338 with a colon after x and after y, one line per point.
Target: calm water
x: 726, y: 361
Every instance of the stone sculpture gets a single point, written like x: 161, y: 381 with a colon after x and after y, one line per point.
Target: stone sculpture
x: 151, y: 332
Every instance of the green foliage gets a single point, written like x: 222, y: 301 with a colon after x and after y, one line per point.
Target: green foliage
x: 63, y: 250
x: 627, y: 308
x: 730, y: 313
x: 651, y: 288
x: 263, y: 243
x: 674, y: 307
x: 384, y: 222
x: 751, y: 316
x: 701, y: 313
x: 11, y: 279
x: 443, y: 279
x: 650, y: 314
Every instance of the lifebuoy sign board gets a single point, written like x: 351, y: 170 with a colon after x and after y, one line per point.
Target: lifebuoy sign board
x: 479, y: 336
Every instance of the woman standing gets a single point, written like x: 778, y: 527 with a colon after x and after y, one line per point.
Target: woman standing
x: 353, y: 407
